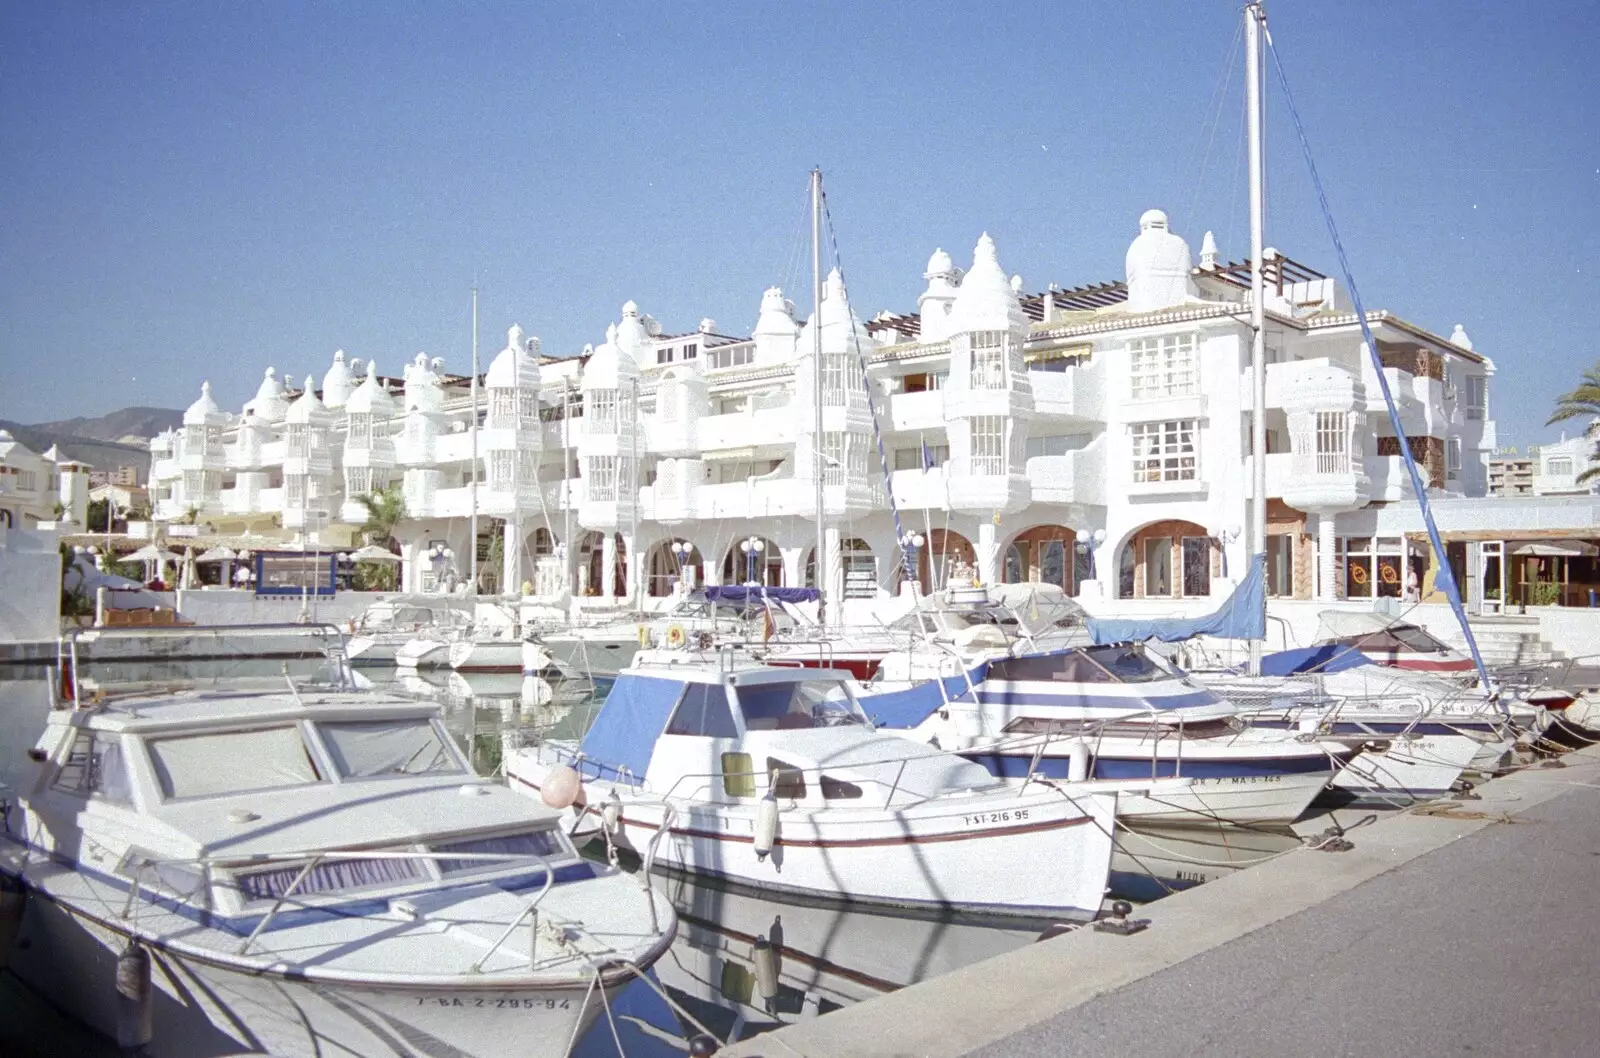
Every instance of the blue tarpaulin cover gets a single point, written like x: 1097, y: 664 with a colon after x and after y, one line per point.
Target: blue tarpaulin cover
x: 1330, y: 657
x: 910, y: 707
x: 742, y: 593
x: 624, y: 734
x: 1242, y: 616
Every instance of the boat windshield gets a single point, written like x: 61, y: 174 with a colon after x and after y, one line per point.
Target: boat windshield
x: 231, y: 762
x: 364, y: 749
x: 1417, y: 640
x: 796, y: 705
x: 1129, y: 663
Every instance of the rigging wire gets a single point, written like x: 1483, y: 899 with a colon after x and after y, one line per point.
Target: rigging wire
x: 1445, y: 576
x: 1218, y: 100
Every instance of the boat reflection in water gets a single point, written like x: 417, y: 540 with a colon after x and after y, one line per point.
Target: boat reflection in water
x: 744, y: 964
x: 1150, y: 862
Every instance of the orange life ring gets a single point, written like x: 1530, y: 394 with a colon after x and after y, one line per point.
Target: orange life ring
x: 1388, y: 574
x: 1358, y: 574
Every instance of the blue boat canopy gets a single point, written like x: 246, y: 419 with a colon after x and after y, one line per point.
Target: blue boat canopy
x: 744, y: 594
x: 624, y: 733
x: 910, y: 707
x: 1243, y: 615
x: 1308, y: 661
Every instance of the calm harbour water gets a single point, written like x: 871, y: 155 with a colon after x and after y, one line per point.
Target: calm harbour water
x: 720, y: 969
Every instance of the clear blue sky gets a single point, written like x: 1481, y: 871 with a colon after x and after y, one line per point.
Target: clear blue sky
x: 198, y: 190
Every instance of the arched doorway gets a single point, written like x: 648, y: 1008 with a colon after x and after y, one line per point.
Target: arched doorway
x: 1042, y: 555
x: 859, y: 564
x: 1173, y: 559
x: 761, y: 563
x: 946, y: 554
x: 669, y: 563
x: 591, y: 560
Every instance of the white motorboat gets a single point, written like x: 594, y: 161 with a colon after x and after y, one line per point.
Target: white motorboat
x: 307, y: 872
x: 1394, y: 643
x: 773, y: 778
x: 378, y: 635
x: 1420, y: 732
x: 1115, y: 712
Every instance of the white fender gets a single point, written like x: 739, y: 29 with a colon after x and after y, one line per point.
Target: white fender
x: 766, y: 824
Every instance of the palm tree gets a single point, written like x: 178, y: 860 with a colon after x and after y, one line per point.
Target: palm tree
x: 1584, y: 400
x: 386, y: 509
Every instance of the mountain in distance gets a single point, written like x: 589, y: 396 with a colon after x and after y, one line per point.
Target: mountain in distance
x: 106, y: 442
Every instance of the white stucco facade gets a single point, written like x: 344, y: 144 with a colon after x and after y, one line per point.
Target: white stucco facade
x: 1096, y: 437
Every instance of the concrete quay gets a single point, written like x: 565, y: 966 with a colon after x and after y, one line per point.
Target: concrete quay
x: 1463, y: 928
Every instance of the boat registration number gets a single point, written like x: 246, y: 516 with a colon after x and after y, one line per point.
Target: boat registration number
x: 1236, y: 780
x: 495, y: 1002
x: 1016, y: 815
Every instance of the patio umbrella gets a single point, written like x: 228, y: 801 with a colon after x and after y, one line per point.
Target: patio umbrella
x: 373, y: 553
x: 218, y: 554
x: 1557, y: 549
x: 152, y: 553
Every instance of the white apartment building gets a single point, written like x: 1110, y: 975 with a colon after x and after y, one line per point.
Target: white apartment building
x: 1094, y: 437
x: 38, y: 488
x: 1549, y: 469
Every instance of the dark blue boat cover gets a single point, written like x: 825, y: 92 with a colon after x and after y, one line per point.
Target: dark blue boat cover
x: 1242, y: 616
x: 742, y: 593
x: 910, y: 707
x: 1307, y: 661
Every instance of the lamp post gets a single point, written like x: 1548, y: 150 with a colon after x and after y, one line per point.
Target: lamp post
x: 752, y: 547
x: 681, y: 550
x: 910, y: 542
x: 1227, y: 536
x: 1087, y: 545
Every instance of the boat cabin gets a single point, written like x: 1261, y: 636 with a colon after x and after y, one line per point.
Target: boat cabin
x: 730, y: 735
x: 219, y: 804
x: 1396, y: 644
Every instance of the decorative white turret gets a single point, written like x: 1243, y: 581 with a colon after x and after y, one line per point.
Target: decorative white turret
x: 269, y: 404
x: 368, y: 449
x: 1158, y: 266
x: 510, y: 442
x: 1208, y: 252
x: 776, y: 330
x: 307, y: 461
x: 336, y: 383
x: 633, y: 333
x: 935, y: 303
x: 201, y: 455
x: 608, y: 443
x: 840, y: 454
x: 1458, y: 338
x: 988, y: 399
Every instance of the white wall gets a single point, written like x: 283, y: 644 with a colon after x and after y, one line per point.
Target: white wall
x: 30, y: 586
x: 236, y: 607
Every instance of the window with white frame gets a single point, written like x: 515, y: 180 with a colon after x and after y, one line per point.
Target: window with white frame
x: 602, y: 478
x: 1477, y: 397
x: 664, y: 356
x: 835, y: 378
x: 1164, y: 451
x: 27, y: 480
x: 732, y: 355
x: 358, y: 480
x: 988, y: 359
x: 988, y: 434
x: 297, y: 440
x: 502, y: 470
x: 1333, y: 442
x: 600, y: 413
x: 1558, y: 466
x: 502, y: 406
x: 359, y: 434
x: 691, y: 351
x: 1163, y: 367
x: 1452, y: 458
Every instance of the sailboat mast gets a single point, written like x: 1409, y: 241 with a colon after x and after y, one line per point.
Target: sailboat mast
x: 1254, y: 17
x: 819, y: 460
x: 472, y: 487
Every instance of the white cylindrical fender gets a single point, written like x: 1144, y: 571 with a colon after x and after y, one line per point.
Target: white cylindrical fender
x: 766, y: 825
x: 562, y: 788
x: 134, y: 1006
x: 768, y: 965
x: 1078, y: 761
x: 611, y: 812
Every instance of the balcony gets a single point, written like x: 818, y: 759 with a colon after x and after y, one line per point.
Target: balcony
x: 1073, y: 477
x: 1312, y: 481
x: 984, y: 484
x: 917, y: 411
x: 743, y: 429
x: 1076, y: 393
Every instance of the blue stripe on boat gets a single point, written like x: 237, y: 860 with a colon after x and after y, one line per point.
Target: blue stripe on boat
x: 1016, y: 766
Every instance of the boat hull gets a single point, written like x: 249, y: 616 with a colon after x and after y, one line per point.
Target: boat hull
x: 1001, y: 853
x: 203, y: 1008
x: 499, y: 655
